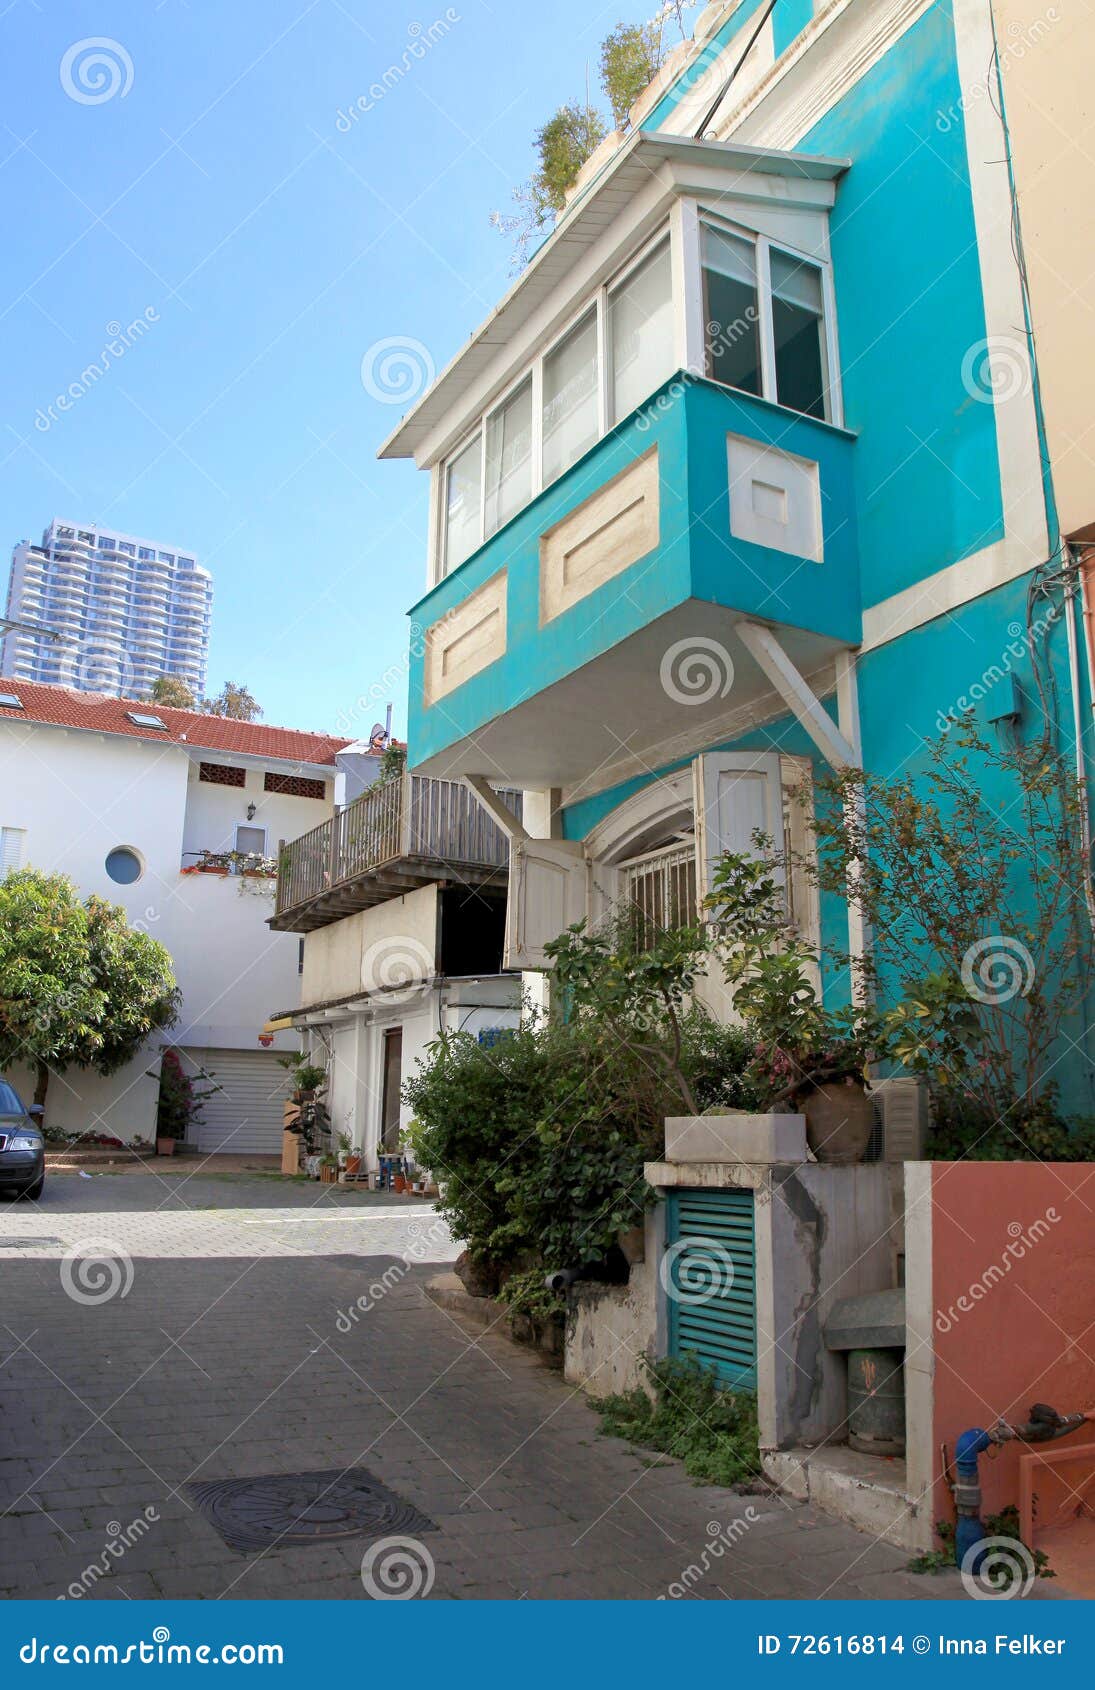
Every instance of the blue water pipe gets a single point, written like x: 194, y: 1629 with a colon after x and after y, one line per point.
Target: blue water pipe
x: 1044, y: 1425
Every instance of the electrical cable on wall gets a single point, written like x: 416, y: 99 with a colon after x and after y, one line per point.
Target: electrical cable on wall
x: 700, y: 133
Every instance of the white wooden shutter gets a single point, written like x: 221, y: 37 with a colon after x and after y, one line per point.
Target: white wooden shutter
x: 737, y: 793
x: 604, y: 891
x: 11, y: 849
x: 547, y: 893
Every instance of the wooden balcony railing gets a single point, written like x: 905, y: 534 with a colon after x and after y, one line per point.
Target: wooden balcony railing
x: 407, y: 820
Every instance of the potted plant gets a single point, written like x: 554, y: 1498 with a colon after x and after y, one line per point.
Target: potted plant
x: 328, y: 1169
x: 180, y: 1102
x: 810, y: 1059
x: 349, y: 1158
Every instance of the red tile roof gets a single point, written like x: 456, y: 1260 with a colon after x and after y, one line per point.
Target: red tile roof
x: 64, y: 707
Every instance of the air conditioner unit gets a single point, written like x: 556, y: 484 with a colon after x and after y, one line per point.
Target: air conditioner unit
x: 903, y: 1118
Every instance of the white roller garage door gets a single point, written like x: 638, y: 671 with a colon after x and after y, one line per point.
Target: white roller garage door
x: 244, y: 1116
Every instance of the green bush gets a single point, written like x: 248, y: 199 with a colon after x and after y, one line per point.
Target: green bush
x: 539, y: 1142
x: 963, y: 1131
x: 713, y: 1431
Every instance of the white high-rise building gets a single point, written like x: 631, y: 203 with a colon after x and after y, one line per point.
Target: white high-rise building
x: 124, y: 610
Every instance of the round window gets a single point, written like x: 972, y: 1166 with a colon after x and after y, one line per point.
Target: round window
x: 123, y: 865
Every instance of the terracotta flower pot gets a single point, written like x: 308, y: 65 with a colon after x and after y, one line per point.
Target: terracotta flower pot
x: 353, y: 1164
x: 839, y: 1120
x: 165, y: 1147
x: 632, y: 1242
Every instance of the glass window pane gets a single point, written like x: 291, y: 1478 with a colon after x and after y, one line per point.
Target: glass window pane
x: 570, y: 397
x: 462, y: 494
x: 640, y: 326
x: 731, y: 314
x: 509, y: 458
x: 798, y: 333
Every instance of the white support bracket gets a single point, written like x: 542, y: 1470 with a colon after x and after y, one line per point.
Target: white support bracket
x: 797, y: 693
x: 511, y: 825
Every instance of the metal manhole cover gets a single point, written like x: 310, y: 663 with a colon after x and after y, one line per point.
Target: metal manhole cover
x: 292, y: 1509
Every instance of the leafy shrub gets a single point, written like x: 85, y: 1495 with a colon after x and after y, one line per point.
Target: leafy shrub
x: 539, y: 1142
x: 527, y: 1297
x: 961, y: 1131
x: 713, y: 1431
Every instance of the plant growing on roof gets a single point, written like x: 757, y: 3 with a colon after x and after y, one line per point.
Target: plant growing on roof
x: 631, y: 56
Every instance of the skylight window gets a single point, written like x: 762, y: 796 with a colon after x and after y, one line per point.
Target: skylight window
x: 8, y: 701
x: 141, y: 721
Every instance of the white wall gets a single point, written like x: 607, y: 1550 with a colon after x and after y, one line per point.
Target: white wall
x: 351, y: 1044
x: 79, y: 795
x: 212, y: 811
x: 400, y: 938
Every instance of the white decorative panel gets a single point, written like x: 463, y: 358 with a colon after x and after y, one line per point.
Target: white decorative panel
x: 466, y: 640
x: 609, y: 531
x: 775, y: 498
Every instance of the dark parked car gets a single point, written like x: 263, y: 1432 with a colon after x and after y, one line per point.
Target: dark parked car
x: 22, y: 1147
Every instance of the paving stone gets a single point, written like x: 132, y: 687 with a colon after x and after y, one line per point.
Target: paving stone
x: 249, y: 1277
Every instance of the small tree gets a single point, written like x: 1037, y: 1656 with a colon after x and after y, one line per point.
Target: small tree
x: 563, y: 145
x: 78, y: 986
x: 635, y: 983
x: 235, y: 702
x: 631, y: 58
x: 978, y: 912
x: 181, y: 1102
x: 172, y: 691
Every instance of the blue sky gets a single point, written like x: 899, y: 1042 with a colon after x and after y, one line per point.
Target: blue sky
x: 269, y: 247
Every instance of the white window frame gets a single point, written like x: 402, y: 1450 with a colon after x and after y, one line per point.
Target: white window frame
x: 598, y: 301
x: 681, y: 229
x: 13, y: 842
x: 762, y: 245
x: 255, y: 828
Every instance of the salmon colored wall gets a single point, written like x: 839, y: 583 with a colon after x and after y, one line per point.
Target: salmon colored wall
x: 1016, y: 1241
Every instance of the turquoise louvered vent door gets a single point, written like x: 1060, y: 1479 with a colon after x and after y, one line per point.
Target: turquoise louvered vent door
x: 709, y: 1275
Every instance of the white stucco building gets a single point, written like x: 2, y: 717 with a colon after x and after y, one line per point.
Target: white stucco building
x: 124, y: 611
x: 131, y: 800
x: 402, y: 901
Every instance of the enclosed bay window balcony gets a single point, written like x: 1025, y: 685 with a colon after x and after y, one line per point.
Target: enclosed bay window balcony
x: 640, y: 453
x: 602, y: 627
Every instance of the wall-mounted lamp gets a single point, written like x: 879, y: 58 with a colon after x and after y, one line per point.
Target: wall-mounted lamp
x: 250, y: 812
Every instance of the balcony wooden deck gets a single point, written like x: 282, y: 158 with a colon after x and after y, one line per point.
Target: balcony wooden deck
x: 392, y: 839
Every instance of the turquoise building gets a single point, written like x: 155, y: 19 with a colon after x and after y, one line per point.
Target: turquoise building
x: 747, y: 476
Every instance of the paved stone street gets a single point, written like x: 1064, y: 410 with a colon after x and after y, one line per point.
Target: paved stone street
x: 219, y: 1342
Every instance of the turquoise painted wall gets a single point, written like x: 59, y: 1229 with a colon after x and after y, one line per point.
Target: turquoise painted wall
x: 786, y: 737
x: 910, y: 307
x: 662, y: 113
x: 688, y: 421
x: 909, y: 304
x: 788, y: 21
